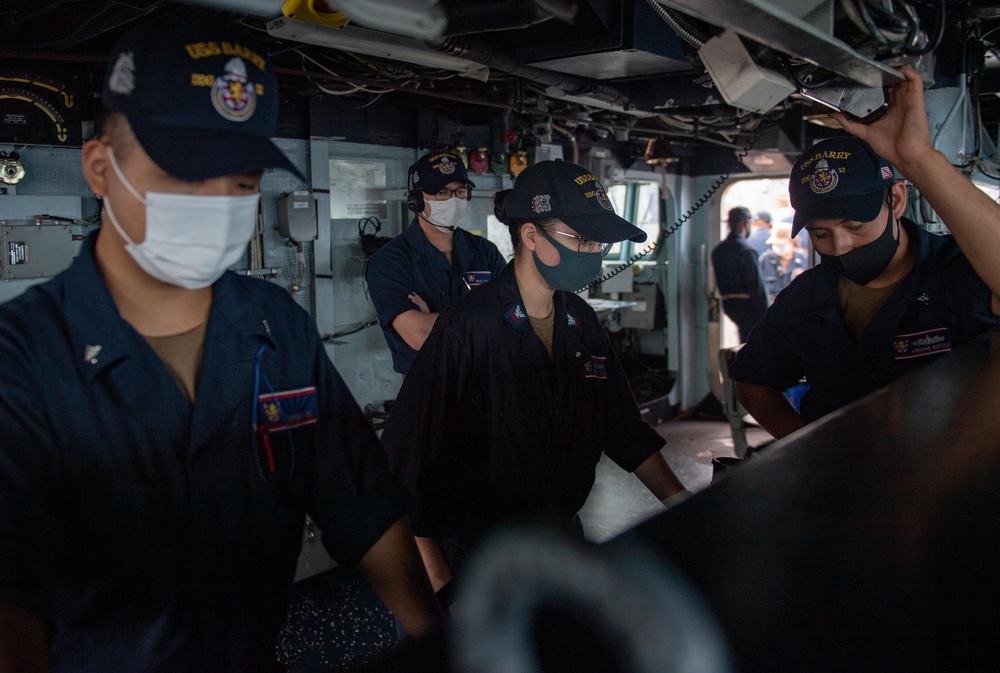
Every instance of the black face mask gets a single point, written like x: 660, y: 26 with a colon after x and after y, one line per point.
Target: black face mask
x: 865, y: 264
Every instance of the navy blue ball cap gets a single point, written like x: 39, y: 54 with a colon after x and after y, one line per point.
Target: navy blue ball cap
x: 436, y: 170
x: 562, y: 190
x: 738, y: 214
x: 838, y: 178
x: 200, y: 94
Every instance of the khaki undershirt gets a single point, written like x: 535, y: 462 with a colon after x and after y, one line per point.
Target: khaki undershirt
x: 860, y: 303
x: 182, y: 354
x: 543, y: 328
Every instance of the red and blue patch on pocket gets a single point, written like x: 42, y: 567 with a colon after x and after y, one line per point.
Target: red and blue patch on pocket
x: 918, y: 344
x: 277, y: 415
x: 288, y: 409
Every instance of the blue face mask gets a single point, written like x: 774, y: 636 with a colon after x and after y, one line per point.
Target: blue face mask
x: 573, y: 272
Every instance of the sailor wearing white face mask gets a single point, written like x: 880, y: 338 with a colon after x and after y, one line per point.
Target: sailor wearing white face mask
x: 433, y: 262
x: 190, y: 239
x: 168, y: 424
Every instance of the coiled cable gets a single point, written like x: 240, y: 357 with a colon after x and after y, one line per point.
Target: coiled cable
x: 666, y: 233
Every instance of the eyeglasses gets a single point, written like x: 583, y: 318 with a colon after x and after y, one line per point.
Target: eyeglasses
x: 445, y: 194
x: 584, y: 246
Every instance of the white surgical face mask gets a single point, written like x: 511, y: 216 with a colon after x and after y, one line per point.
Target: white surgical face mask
x: 782, y: 249
x: 447, y: 214
x: 190, y: 240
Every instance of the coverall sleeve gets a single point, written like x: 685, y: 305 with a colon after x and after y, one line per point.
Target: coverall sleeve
x: 420, y: 437
x: 354, y: 496
x: 630, y: 440
x: 28, y: 482
x: 768, y: 357
x: 390, y: 282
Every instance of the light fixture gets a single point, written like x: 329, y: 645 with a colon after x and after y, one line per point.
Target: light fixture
x: 759, y: 161
x: 373, y: 43
x: 419, y: 19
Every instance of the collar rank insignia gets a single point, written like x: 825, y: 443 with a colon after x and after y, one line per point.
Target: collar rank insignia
x: 573, y: 322
x: 515, y: 315
x: 90, y: 354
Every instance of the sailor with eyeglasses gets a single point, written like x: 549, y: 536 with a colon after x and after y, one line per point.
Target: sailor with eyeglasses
x: 433, y: 262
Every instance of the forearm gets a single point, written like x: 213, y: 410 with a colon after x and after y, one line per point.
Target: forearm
x: 23, y: 640
x: 657, y: 476
x: 393, y: 569
x: 971, y: 216
x: 414, y: 327
x: 435, y: 562
x: 770, y: 408
x: 902, y: 137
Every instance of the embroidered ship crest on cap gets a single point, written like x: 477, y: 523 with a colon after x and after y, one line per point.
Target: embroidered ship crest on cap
x: 447, y: 166
x: 824, y: 178
x: 602, y: 198
x: 233, y: 95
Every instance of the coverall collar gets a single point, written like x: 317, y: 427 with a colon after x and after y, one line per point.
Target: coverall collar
x: 97, y: 328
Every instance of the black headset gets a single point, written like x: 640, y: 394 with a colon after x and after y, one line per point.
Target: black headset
x: 414, y: 198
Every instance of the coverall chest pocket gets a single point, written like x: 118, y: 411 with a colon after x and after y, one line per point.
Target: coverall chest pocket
x: 283, y: 425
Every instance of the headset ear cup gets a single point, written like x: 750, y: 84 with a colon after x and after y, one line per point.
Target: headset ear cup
x: 415, y: 201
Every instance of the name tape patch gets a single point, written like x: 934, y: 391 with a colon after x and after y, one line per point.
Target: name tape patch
x: 595, y: 368
x: 474, y: 278
x: 919, y: 344
x: 289, y: 409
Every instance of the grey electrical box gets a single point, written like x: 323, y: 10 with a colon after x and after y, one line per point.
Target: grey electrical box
x: 297, y: 216
x: 35, y: 249
x: 742, y: 82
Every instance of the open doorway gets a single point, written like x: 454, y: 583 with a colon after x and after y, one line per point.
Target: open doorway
x: 760, y: 196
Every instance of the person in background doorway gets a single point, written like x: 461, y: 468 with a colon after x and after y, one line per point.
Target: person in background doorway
x: 888, y: 296
x: 737, y: 275
x: 167, y: 423
x: 517, y: 391
x: 760, y: 231
x: 433, y: 262
x: 783, y: 262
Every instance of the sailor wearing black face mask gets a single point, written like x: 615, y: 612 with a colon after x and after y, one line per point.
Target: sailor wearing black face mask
x: 517, y: 392
x: 433, y: 262
x: 887, y: 298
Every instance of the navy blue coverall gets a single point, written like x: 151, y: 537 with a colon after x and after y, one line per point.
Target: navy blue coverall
x: 487, y: 428
x: 410, y: 263
x: 938, y: 306
x: 156, y: 535
x: 740, y: 283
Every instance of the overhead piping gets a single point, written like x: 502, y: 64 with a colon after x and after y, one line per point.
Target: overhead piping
x: 676, y: 21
